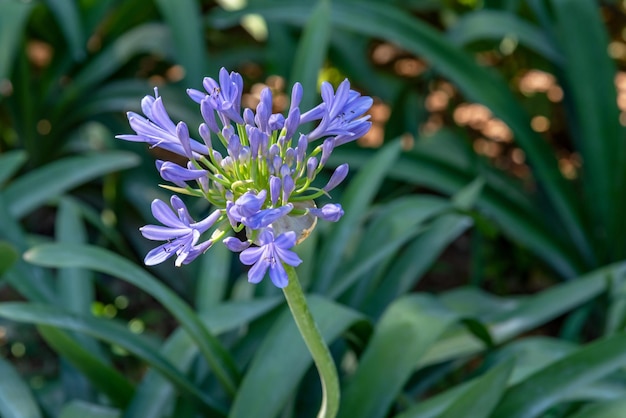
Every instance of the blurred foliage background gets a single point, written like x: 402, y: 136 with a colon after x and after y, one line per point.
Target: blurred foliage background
x: 479, y: 270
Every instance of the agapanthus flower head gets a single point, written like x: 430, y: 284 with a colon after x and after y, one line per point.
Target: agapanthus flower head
x: 262, y: 185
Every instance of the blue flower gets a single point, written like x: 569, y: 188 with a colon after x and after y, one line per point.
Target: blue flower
x: 341, y: 114
x: 179, y: 175
x: 223, y: 98
x: 330, y: 212
x: 271, y: 254
x: 181, y: 232
x: 249, y: 204
x: 263, y: 185
x: 158, y: 130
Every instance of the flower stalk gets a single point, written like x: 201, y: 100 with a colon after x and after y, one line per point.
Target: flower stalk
x: 315, y: 343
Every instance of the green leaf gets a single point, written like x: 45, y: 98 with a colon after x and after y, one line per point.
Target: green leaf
x: 34, y: 189
x: 31, y: 282
x: 529, y: 313
x: 13, y: 19
x: 311, y: 52
x: 16, y: 399
x: 586, y: 365
x: 111, y: 332
x: 409, y: 267
x: 8, y: 256
x: 184, y: 19
x: 475, y: 398
x: 76, y: 293
x: 272, y: 378
x: 105, y: 378
x: 475, y: 302
x: 610, y: 409
x: 466, y: 198
x: 483, y: 396
x: 386, y: 365
x: 443, y: 162
x: 432, y: 407
x: 532, y: 354
x: 594, y: 118
x: 400, y: 220
x: 155, y: 393
x: 75, y: 287
x: 356, y: 199
x: 68, y: 17
x: 97, y: 259
x: 213, y: 277
x: 80, y: 409
x: 147, y: 38
x: 10, y: 162
x: 496, y: 25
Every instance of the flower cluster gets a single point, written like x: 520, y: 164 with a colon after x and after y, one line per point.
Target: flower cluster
x: 261, y: 181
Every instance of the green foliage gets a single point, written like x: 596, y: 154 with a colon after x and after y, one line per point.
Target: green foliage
x: 410, y: 336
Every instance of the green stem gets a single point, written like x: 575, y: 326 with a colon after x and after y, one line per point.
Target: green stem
x: 316, y: 345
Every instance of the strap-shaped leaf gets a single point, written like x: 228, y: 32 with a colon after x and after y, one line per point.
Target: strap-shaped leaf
x: 8, y: 256
x: 34, y: 189
x: 155, y: 392
x: 594, y: 118
x: 282, y: 359
x: 531, y: 312
x: 610, y: 409
x: 16, y: 399
x: 10, y: 162
x: 184, y: 19
x: 444, y: 163
x: 356, y: 199
x: 101, y: 375
x: 13, y: 19
x: 311, y: 52
x: 408, y: 328
x: 575, y: 371
x: 475, y: 398
x: 112, y: 332
x: 97, y: 259
x: 68, y: 17
x: 80, y: 409
x: 496, y: 25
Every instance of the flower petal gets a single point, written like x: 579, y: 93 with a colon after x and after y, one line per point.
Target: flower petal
x: 236, y: 245
x: 257, y: 272
x: 165, y: 215
x: 278, y: 274
x: 286, y: 240
x: 162, y: 233
x: 159, y: 254
x: 288, y: 257
x: 251, y: 255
